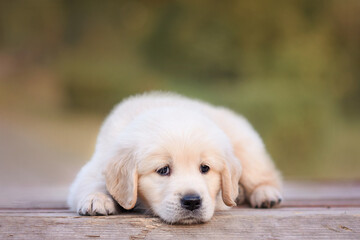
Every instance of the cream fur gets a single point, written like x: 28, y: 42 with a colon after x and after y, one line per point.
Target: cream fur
x: 147, y: 132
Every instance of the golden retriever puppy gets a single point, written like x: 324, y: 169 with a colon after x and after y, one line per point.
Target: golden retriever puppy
x: 181, y: 158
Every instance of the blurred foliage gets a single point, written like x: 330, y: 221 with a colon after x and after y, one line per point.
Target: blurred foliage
x: 291, y: 67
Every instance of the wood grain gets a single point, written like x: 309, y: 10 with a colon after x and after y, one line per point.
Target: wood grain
x: 239, y: 223
x: 318, y: 210
x: 304, y: 193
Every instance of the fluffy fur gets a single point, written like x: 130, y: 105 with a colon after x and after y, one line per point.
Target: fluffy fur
x: 147, y: 132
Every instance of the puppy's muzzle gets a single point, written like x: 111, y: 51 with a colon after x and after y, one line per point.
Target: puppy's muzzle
x: 191, y: 202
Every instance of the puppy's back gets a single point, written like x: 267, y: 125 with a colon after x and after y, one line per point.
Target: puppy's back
x: 129, y: 109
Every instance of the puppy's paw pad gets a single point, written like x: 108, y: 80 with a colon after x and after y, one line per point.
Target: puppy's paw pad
x: 265, y: 197
x: 97, y: 204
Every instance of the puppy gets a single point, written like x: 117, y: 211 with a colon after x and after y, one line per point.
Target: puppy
x: 181, y: 158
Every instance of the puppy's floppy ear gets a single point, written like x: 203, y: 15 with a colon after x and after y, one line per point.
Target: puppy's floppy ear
x: 230, y: 177
x: 122, y: 179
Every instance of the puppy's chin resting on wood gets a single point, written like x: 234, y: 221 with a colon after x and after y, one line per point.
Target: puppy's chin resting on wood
x: 182, y: 158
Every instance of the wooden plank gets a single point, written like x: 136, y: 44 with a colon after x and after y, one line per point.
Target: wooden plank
x: 238, y: 223
x: 321, y: 203
x: 33, y: 196
x: 321, y: 190
x: 306, y: 203
x: 311, y: 210
x: 307, y: 194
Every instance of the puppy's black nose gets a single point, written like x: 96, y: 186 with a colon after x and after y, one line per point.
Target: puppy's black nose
x: 191, y: 202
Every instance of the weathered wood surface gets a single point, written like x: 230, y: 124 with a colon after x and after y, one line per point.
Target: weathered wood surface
x: 327, y: 210
x: 240, y: 223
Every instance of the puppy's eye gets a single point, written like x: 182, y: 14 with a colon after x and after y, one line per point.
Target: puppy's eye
x: 165, y: 171
x: 204, y: 168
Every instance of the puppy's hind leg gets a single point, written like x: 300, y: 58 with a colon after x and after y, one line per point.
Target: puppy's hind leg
x: 88, y: 194
x: 260, y: 178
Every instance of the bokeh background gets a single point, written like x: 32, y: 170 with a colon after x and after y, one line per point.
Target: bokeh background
x: 291, y: 67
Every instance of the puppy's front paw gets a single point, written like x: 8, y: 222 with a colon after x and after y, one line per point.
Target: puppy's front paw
x: 97, y: 204
x: 265, y: 197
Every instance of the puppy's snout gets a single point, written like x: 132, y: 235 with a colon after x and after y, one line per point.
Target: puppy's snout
x: 191, y: 202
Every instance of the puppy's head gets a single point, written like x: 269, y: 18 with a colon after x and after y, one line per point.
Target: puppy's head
x: 178, y: 162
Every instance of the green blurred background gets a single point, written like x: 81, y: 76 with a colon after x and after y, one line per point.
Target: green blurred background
x: 291, y: 67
